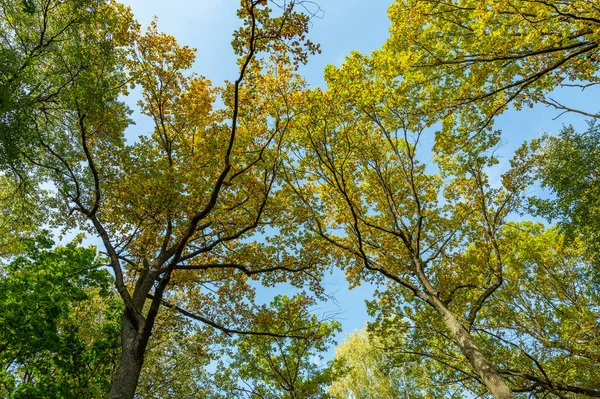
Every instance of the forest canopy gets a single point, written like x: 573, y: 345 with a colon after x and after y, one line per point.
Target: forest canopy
x: 483, y: 261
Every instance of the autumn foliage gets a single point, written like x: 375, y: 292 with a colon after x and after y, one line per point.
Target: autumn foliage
x: 389, y: 173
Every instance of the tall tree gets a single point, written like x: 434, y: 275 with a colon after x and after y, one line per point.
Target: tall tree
x: 182, y: 212
x: 408, y: 222
x: 396, y: 223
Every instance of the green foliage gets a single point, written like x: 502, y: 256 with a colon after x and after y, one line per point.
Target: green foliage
x: 40, y: 44
x: 178, y: 208
x: 540, y: 325
x: 463, y: 62
x: 177, y: 362
x: 337, y: 176
x: 29, y: 6
x: 271, y: 367
x: 362, y: 369
x: 58, y: 323
x: 432, y: 233
x: 568, y: 164
x: 21, y: 214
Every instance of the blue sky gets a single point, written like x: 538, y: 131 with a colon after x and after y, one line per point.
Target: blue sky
x: 207, y: 25
x: 344, y: 25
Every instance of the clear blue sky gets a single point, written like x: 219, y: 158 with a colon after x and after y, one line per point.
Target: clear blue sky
x: 345, y: 25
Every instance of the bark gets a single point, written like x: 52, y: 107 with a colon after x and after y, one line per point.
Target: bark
x: 134, y: 340
x: 491, y: 378
x: 133, y: 347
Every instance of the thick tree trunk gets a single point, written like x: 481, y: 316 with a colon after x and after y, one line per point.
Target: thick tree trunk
x: 133, y: 347
x: 492, y: 380
x: 134, y: 338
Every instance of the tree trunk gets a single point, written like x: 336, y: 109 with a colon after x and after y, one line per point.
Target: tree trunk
x: 133, y: 347
x: 492, y: 380
x: 134, y: 340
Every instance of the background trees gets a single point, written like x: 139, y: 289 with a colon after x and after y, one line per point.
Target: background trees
x: 59, y: 322
x: 362, y: 369
x: 267, y: 366
x: 567, y: 165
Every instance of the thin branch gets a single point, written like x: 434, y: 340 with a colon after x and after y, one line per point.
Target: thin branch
x: 247, y: 270
x: 226, y: 330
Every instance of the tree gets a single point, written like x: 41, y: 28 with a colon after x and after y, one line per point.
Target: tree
x: 271, y: 367
x: 37, y: 52
x: 362, y: 370
x: 395, y: 223
x: 567, y: 165
x: 37, y: 43
x: 401, y: 220
x: 176, y: 210
x: 463, y: 62
x: 58, y: 323
x: 539, y: 325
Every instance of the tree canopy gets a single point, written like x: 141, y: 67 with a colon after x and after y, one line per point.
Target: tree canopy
x: 265, y: 181
x: 466, y: 61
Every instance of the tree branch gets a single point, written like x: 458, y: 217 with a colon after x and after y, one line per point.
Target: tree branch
x: 226, y: 330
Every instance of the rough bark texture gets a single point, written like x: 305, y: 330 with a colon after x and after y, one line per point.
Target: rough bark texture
x: 491, y: 378
x: 134, y: 340
x: 133, y: 347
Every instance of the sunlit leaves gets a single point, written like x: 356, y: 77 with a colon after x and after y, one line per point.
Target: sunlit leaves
x: 464, y: 62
